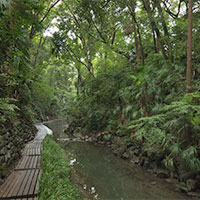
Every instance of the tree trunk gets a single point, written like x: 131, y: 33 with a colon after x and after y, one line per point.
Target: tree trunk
x: 137, y: 35
x: 140, y: 41
x: 154, y: 41
x: 165, y: 30
x: 38, y: 49
x: 154, y: 27
x: 79, y: 81
x: 189, y: 49
x: 136, y: 46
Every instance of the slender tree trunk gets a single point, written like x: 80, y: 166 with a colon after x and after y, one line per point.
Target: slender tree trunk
x: 155, y: 28
x: 141, y: 44
x: 79, y: 83
x: 136, y: 45
x: 154, y: 41
x: 90, y: 67
x: 86, y: 51
x: 37, y: 52
x: 132, y: 10
x: 165, y: 30
x: 137, y: 35
x: 189, y: 49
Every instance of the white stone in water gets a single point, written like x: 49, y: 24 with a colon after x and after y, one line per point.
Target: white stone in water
x: 72, y: 161
x: 93, y: 190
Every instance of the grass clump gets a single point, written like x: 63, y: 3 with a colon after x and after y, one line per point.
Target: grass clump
x: 55, y: 181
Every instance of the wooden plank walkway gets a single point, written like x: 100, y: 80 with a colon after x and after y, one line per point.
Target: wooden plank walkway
x: 23, y: 182
x: 29, y: 162
x: 32, y: 149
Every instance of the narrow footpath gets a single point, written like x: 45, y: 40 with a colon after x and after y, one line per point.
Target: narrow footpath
x: 23, y: 182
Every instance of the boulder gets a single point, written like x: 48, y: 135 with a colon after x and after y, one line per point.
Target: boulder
x: 146, y: 163
x: 70, y: 129
x: 182, y: 187
x: 9, y: 146
x: 6, y: 137
x: 120, y: 141
x: 107, y: 137
x: 134, y: 159
x: 7, y: 156
x: 191, y: 184
x: 172, y: 180
x: 1, y: 141
x: 121, y: 150
x: 153, y: 166
x: 101, y: 142
x: 3, y: 151
x: 130, y: 151
x: 115, y: 152
x: 156, y: 156
x: 187, y: 175
x: 163, y: 173
x: 194, y: 194
x: 113, y: 146
x: 137, y: 151
x: 142, y: 159
x: 77, y: 134
x: 125, y: 155
x: 89, y: 139
x: 2, y: 159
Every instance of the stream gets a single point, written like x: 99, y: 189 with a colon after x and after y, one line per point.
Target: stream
x: 108, y: 177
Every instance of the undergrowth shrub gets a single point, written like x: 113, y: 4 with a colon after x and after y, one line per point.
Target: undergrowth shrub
x: 55, y: 181
x: 8, y: 109
x: 101, y: 100
x: 175, y: 131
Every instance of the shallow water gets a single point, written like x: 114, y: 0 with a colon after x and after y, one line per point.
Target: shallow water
x: 114, y: 178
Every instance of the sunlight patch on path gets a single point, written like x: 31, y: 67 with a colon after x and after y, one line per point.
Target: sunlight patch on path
x: 42, y: 131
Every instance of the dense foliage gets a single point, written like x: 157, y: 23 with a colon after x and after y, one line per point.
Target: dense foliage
x: 118, y: 66
x: 24, y: 96
x: 130, y: 58
x: 22, y: 25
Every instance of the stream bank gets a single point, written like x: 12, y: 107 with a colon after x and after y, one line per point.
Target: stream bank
x: 152, y: 161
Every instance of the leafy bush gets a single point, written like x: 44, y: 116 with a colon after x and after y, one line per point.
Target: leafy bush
x: 7, y: 109
x: 55, y: 181
x: 175, y: 131
x: 101, y: 99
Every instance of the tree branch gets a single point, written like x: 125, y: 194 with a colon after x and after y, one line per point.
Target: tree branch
x: 45, y: 16
x: 170, y: 12
x: 78, y: 59
x: 32, y: 32
x: 108, y: 1
x: 113, y: 37
x: 111, y: 47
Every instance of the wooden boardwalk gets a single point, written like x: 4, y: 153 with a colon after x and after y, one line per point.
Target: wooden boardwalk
x: 23, y: 182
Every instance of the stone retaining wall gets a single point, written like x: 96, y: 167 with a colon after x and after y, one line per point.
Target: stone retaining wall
x: 12, y: 141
